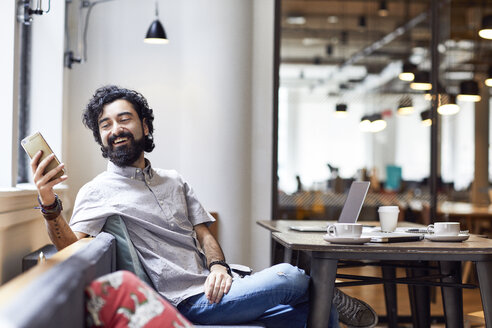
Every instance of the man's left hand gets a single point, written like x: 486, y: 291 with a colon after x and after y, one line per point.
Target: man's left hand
x: 217, y: 284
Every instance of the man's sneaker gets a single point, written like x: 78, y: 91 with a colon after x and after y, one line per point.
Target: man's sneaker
x: 353, y: 312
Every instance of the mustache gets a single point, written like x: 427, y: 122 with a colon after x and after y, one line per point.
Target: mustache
x: 112, y: 138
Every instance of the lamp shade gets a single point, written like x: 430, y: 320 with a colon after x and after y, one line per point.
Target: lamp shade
x: 469, y: 91
x: 421, y: 81
x: 341, y: 110
x: 426, y: 117
x: 377, y: 122
x: 156, y: 33
x: 485, y: 31
x: 407, y: 72
x: 405, y: 106
x: 383, y: 8
x: 488, y: 80
x: 447, y: 104
x: 365, y: 124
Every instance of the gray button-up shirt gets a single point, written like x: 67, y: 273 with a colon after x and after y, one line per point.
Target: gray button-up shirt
x: 159, y: 210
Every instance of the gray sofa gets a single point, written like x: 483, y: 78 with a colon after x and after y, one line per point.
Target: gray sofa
x: 56, y: 298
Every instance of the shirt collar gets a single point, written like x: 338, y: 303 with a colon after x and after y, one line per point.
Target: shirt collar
x: 132, y: 172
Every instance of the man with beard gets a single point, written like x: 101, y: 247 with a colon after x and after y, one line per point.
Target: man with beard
x: 169, y: 228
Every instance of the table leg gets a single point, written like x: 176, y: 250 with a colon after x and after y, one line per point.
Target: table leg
x: 484, y: 270
x: 287, y: 255
x: 390, y: 296
x: 452, y: 297
x: 323, y: 275
x: 419, y: 299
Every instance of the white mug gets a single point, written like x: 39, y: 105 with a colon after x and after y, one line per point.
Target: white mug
x: 388, y: 218
x: 444, y: 228
x: 345, y: 230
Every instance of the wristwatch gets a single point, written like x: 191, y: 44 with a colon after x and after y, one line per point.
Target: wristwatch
x: 223, y: 263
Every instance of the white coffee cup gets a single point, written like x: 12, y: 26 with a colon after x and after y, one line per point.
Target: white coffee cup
x: 444, y: 228
x: 345, y: 230
x: 388, y: 218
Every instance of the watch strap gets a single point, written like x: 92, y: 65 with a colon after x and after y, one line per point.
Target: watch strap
x: 223, y: 263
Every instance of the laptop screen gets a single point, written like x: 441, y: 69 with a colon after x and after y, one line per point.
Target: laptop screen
x: 353, y: 203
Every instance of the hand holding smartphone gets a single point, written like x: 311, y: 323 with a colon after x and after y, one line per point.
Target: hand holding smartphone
x: 34, y: 143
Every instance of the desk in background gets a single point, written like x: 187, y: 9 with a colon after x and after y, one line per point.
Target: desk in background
x: 449, y: 255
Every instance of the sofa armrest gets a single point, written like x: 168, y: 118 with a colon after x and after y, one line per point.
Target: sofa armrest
x: 52, y: 294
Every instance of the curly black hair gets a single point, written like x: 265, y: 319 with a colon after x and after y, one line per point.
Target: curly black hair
x: 106, y: 95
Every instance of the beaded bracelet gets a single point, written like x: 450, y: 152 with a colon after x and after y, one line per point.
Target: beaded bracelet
x: 52, y: 211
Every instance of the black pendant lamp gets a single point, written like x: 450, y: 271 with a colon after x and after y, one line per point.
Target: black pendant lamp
x: 485, y: 31
x: 365, y: 124
x: 421, y: 81
x: 377, y: 122
x: 383, y: 8
x: 469, y: 91
x: 407, y: 72
x: 488, y: 80
x: 156, y: 33
x: 405, y: 106
x: 426, y: 117
x: 341, y: 110
x: 447, y: 104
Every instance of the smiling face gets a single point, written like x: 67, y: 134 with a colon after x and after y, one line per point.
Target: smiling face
x: 122, y: 134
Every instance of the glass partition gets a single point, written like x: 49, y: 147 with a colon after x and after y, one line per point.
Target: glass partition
x: 346, y: 112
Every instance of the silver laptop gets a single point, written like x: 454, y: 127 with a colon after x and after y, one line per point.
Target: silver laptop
x: 350, y: 211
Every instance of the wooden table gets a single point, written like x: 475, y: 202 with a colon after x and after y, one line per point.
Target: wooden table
x: 470, y: 212
x: 325, y: 257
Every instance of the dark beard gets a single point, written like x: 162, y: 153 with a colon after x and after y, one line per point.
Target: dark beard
x: 124, y: 155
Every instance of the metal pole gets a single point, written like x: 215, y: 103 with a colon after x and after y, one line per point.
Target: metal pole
x: 435, y: 118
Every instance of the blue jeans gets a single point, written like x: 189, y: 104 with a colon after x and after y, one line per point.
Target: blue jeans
x: 276, y: 296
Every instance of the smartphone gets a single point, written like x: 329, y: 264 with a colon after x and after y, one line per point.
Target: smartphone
x: 34, y: 143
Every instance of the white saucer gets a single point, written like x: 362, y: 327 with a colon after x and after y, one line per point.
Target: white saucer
x: 460, y: 237
x: 347, y: 240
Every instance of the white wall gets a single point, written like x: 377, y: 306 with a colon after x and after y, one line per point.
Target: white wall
x: 211, y: 90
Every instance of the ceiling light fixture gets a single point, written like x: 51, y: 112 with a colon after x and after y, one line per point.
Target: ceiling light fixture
x: 405, y: 106
x: 486, y: 29
x: 421, y: 81
x: 156, y: 33
x: 383, y: 9
x: 469, y: 91
x: 447, y: 104
x: 365, y: 124
x: 488, y: 80
x: 341, y: 110
x: 377, y: 122
x: 426, y: 117
x: 408, y: 72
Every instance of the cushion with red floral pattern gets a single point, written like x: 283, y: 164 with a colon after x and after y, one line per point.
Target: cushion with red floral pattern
x: 120, y: 299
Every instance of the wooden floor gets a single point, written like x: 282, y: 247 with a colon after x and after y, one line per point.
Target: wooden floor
x: 374, y: 295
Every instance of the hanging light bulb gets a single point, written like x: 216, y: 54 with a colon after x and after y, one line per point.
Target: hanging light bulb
x: 426, y: 117
x: 469, y: 91
x: 447, y: 105
x: 156, y: 33
x: 405, y: 106
x: 408, y: 72
x: 486, y: 29
x: 421, y: 81
x: 341, y: 110
x: 365, y: 124
x: 377, y: 123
